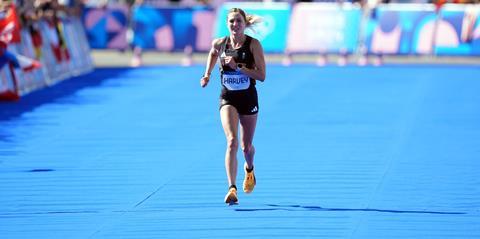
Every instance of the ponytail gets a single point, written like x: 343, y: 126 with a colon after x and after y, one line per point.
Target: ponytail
x: 250, y: 20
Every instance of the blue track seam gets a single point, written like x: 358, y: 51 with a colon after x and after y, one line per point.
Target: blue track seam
x: 139, y: 203
x: 126, y: 211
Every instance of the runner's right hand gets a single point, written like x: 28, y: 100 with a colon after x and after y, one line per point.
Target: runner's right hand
x: 204, y: 81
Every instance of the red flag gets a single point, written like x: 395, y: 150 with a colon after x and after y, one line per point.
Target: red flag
x: 9, y: 26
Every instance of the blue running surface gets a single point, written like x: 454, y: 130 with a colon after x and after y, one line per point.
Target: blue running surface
x: 341, y: 152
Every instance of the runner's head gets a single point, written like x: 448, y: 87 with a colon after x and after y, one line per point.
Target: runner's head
x: 238, y: 20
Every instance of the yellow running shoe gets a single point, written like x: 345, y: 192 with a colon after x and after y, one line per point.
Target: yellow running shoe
x: 231, y: 197
x: 249, y: 182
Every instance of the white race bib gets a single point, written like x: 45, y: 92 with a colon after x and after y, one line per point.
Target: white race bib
x: 235, y: 81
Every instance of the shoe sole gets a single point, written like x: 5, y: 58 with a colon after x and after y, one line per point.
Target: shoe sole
x: 231, y: 199
x: 250, y: 190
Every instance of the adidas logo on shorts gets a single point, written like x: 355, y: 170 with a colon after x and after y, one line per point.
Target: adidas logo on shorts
x: 255, y: 109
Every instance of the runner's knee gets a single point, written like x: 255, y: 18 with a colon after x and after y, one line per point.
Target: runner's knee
x: 232, y: 142
x: 248, y: 149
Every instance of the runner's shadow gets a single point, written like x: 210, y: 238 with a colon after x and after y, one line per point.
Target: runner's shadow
x: 275, y: 207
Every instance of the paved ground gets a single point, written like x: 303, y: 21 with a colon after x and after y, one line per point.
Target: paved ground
x: 118, y: 58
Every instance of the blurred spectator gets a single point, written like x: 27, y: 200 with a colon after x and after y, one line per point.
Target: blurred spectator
x: 29, y: 18
x: 49, y: 11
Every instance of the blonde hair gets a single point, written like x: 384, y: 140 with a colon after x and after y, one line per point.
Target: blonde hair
x: 250, y: 20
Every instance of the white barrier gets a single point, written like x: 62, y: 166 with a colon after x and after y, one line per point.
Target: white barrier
x: 76, y: 59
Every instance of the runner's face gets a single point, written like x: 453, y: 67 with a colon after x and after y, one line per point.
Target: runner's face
x: 235, y: 23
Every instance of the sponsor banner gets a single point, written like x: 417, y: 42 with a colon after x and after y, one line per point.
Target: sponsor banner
x: 398, y: 29
x: 324, y: 27
x: 271, y: 32
x: 106, y: 27
x: 458, y: 30
x: 418, y: 29
x: 173, y: 29
x: 401, y: 29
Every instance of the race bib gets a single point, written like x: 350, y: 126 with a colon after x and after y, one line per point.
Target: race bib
x: 235, y: 81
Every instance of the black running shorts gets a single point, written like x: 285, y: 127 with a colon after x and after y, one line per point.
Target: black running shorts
x: 246, y: 102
